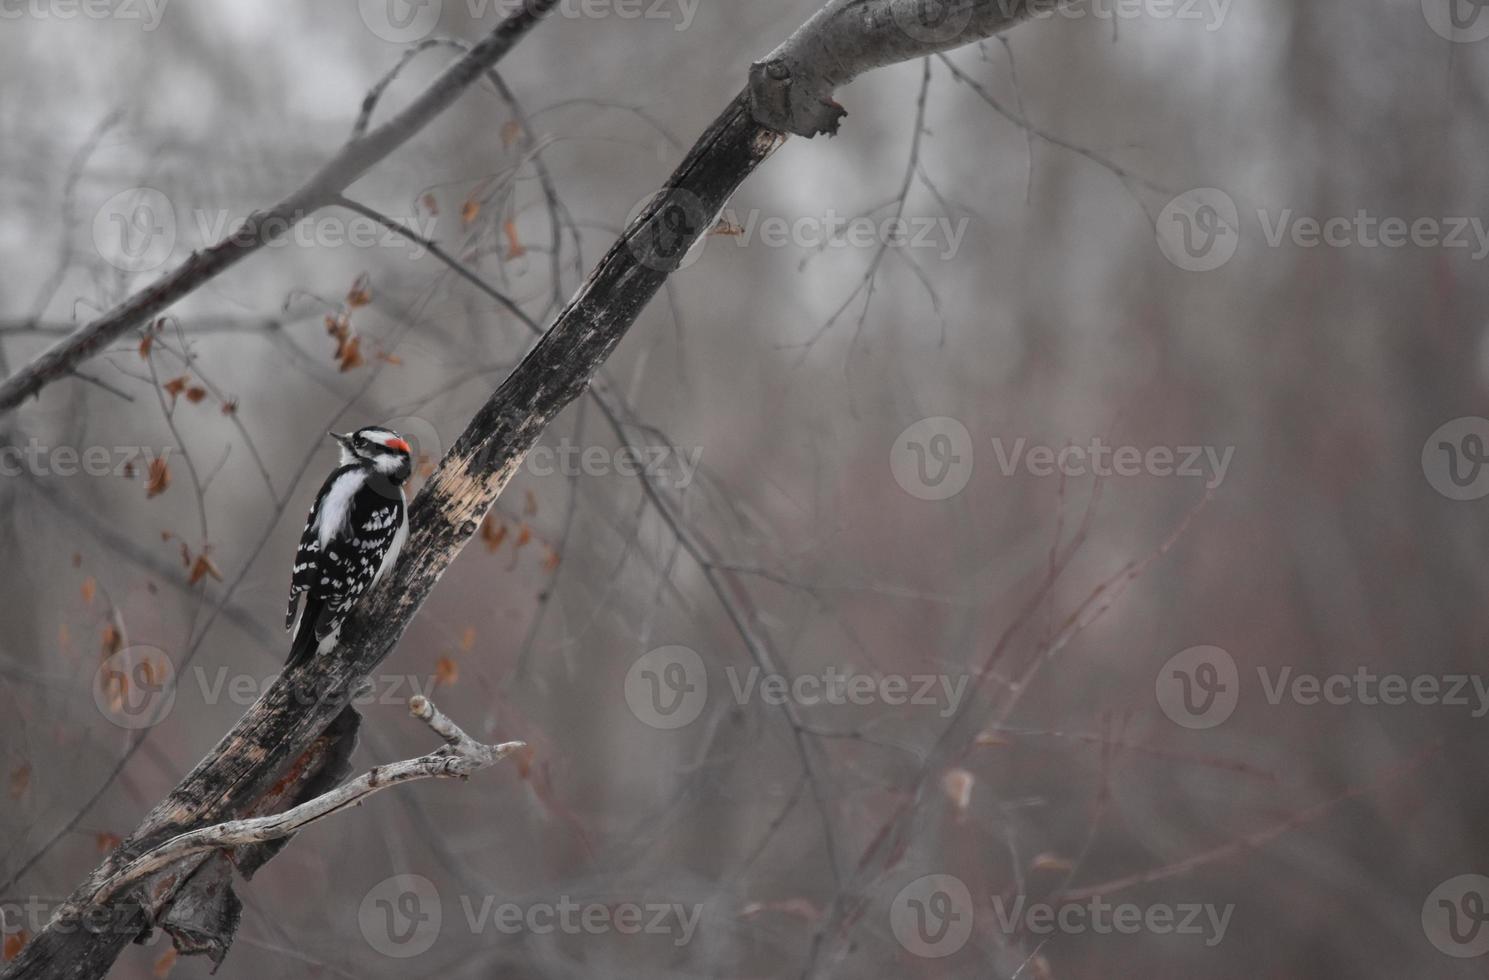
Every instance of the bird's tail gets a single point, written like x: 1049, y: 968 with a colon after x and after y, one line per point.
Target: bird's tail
x: 302, y: 647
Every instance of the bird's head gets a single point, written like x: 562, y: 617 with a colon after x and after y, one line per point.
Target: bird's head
x: 382, y: 449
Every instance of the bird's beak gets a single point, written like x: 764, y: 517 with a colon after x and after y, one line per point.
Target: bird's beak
x: 346, y: 441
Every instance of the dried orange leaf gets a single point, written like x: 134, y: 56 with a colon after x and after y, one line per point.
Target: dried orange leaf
x: 493, y: 533
x: 957, y: 785
x: 110, y: 641
x: 106, y: 842
x: 175, y: 386
x: 20, y: 780
x: 524, y: 535
x: 550, y: 561
x: 469, y: 210
x: 14, y: 943
x: 446, y: 672
x: 1051, y: 862
x: 468, y: 639
x: 515, y: 248
x: 195, y: 393
x: 164, y: 965
x: 89, y: 587
x: 230, y: 406
x: 160, y: 478
x: 146, y: 342
x: 201, y: 568
x: 350, y: 354
x: 361, y: 292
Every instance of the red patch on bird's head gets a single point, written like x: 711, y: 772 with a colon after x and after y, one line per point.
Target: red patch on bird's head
x: 399, y: 444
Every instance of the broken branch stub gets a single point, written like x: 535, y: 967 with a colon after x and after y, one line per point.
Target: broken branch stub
x: 791, y: 89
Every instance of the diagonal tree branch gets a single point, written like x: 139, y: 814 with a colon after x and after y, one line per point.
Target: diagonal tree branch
x: 460, y: 756
x: 359, y: 155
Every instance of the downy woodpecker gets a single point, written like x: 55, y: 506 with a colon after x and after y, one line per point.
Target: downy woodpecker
x: 352, y: 537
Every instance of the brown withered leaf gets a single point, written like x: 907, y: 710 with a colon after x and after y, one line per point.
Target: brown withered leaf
x: 524, y: 535
x: 146, y: 342
x: 201, y: 568
x: 431, y: 203
x: 106, y: 842
x: 349, y: 355
x: 165, y: 964
x: 493, y: 533
x: 175, y: 386
x: 957, y: 784
x: 230, y: 407
x: 195, y: 393
x: 469, y: 211
x: 14, y: 943
x: 361, y: 292
x: 339, y: 326
x: 446, y: 672
x: 1051, y: 862
x: 529, y: 504
x: 89, y: 588
x: 159, y: 479
x: 515, y: 248
x: 551, y: 560
x: 110, y: 642
x: 20, y: 780
x: 387, y: 358
x: 726, y: 228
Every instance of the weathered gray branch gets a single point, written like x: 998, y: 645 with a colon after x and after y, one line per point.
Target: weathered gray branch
x: 354, y: 159
x: 791, y: 88
x: 460, y: 756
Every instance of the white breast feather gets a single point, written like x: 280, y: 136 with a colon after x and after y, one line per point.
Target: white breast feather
x: 337, y: 507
